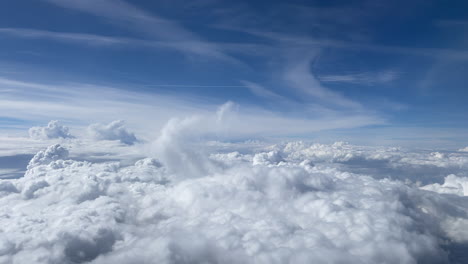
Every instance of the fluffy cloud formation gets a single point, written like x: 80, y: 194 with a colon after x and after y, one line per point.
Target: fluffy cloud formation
x: 52, y: 153
x: 193, y: 201
x: 115, y: 130
x: 288, y: 203
x: 452, y: 185
x: 465, y: 149
x: 53, y: 130
x: 381, y: 162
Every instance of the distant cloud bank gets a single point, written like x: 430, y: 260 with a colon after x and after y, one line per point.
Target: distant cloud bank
x: 113, y: 131
x: 53, y: 130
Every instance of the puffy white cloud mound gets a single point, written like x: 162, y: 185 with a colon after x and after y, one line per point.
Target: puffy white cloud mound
x: 465, y: 149
x: 271, y: 157
x: 52, y: 153
x: 380, y: 162
x: 452, y: 185
x: 53, y: 130
x: 283, y: 209
x: 113, y: 131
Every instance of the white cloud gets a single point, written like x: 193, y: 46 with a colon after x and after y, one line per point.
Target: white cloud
x: 53, y: 130
x: 314, y: 42
x: 52, y: 153
x: 189, y: 46
x: 298, y: 76
x: 80, y: 103
x: 265, y: 158
x: 452, y: 185
x: 80, y: 38
x: 465, y: 149
x: 381, y: 162
x: 177, y: 145
x: 261, y: 91
x: 192, y: 200
x: 115, y: 130
x: 280, y: 209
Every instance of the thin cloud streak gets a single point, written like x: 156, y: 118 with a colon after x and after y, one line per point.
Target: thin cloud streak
x: 81, y: 104
x: 301, y: 41
x: 298, y: 76
x: 169, y: 32
x: 367, y: 78
x: 263, y: 92
x: 90, y: 39
x: 295, y: 74
x: 186, y: 47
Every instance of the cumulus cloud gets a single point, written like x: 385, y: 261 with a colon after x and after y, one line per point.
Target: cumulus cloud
x: 272, y: 157
x: 52, y: 153
x: 288, y: 203
x: 177, y: 145
x: 465, y: 149
x: 115, y: 130
x: 193, y: 201
x: 265, y: 213
x: 381, y: 162
x: 53, y: 130
x: 452, y: 185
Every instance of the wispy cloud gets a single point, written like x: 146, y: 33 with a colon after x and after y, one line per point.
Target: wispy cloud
x: 81, y: 104
x: 127, y: 15
x: 298, y: 76
x: 317, y: 42
x: 189, y: 47
x: 293, y: 73
x: 90, y: 39
x: 263, y: 92
x: 366, y: 78
x: 296, y: 71
x: 169, y: 33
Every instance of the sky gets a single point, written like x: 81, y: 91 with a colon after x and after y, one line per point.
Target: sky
x: 368, y: 72
x: 207, y: 131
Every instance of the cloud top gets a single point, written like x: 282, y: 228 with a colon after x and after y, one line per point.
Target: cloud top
x: 53, y: 130
x: 52, y: 153
x: 115, y: 130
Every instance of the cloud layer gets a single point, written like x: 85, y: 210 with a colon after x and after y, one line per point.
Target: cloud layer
x: 289, y: 203
x: 185, y: 198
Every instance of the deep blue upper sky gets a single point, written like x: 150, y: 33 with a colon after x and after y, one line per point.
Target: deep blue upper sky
x: 404, y: 61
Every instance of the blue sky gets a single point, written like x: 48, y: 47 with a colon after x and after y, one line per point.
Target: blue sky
x: 387, y: 70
